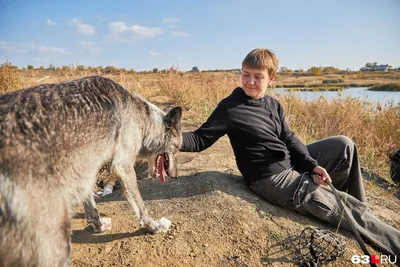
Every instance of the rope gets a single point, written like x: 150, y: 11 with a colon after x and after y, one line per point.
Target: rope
x: 351, y: 222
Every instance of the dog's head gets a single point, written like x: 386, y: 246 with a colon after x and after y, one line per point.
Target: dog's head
x: 165, y: 163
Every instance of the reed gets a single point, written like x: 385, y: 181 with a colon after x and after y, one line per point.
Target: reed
x: 9, y: 78
x: 374, y: 130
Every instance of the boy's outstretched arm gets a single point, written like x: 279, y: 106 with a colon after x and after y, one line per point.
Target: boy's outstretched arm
x: 215, y: 127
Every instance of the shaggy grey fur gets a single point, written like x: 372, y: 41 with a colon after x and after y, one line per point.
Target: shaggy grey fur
x: 53, y: 139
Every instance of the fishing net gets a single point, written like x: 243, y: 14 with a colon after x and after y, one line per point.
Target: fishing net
x: 319, y: 246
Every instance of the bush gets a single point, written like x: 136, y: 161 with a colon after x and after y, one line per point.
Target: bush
x: 331, y: 70
x: 332, y: 81
x: 110, y: 70
x: 359, y: 75
x: 316, y: 71
x: 395, y: 87
x: 9, y: 78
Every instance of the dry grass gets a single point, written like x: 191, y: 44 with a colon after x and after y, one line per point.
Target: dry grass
x: 197, y: 93
x: 348, y: 78
x: 10, y: 79
x: 375, y: 131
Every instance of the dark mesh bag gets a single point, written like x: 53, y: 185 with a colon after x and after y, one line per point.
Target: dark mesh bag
x: 395, y: 167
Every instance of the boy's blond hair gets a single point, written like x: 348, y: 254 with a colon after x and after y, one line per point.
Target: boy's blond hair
x: 262, y: 58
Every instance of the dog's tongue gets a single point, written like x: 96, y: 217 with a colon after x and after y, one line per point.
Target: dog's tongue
x: 161, y: 168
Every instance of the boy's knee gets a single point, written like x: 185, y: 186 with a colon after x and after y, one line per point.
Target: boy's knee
x: 344, y: 141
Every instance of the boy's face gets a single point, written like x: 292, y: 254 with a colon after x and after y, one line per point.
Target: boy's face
x: 255, y: 81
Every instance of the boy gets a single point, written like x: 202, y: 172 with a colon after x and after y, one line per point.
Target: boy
x: 278, y: 166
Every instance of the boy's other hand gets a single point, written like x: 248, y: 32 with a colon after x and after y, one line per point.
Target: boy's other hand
x: 319, y: 176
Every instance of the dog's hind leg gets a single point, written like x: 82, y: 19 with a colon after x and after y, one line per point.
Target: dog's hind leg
x: 57, y: 249
x: 93, y: 217
x: 53, y: 237
x: 66, y: 230
x: 129, y: 182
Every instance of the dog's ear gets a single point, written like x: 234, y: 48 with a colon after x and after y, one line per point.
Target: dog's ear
x: 173, y: 118
x: 168, y: 108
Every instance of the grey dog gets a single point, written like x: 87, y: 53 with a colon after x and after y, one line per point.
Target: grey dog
x: 53, y: 139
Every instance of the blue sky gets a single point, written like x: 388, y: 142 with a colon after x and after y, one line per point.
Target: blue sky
x: 209, y: 34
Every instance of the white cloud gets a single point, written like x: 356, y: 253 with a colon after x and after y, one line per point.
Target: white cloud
x: 32, y: 49
x: 152, y: 53
x: 51, y: 23
x: 46, y: 50
x: 38, y: 59
x: 173, y: 26
x: 171, y: 20
x: 51, y: 50
x: 84, y: 29
x: 10, y: 48
x: 180, y: 34
x: 90, y: 47
x: 123, y: 33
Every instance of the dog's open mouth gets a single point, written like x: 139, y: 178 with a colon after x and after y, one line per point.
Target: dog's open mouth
x: 162, y: 165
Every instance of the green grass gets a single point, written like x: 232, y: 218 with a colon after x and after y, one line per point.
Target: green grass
x: 393, y: 87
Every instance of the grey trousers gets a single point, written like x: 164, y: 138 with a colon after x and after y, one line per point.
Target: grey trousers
x: 295, y: 190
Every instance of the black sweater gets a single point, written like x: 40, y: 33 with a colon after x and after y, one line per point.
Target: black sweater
x: 261, y: 140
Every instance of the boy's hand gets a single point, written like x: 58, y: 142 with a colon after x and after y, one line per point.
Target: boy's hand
x: 319, y: 176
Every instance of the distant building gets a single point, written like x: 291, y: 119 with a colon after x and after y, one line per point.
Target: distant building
x: 382, y: 68
x: 366, y: 69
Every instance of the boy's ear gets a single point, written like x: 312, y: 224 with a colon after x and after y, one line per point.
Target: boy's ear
x: 271, y: 79
x: 173, y: 118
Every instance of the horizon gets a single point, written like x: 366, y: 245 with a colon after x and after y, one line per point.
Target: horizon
x: 208, y: 35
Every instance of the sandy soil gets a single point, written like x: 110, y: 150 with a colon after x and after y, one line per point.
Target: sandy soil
x: 217, y: 221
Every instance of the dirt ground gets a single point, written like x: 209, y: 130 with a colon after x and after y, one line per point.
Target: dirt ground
x: 217, y: 221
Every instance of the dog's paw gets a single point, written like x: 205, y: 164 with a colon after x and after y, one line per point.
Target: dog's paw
x: 106, y: 224
x: 90, y: 227
x: 163, y: 225
x: 142, y: 223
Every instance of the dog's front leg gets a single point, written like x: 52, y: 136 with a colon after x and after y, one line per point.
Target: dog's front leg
x: 129, y: 182
x: 93, y: 217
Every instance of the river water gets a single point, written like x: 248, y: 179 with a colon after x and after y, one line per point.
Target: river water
x: 358, y: 92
